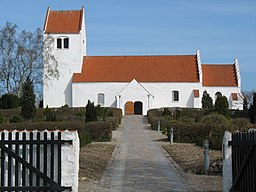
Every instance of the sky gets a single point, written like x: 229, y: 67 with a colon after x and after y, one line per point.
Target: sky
x: 221, y: 29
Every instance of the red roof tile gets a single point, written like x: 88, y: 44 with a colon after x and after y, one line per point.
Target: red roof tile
x: 219, y: 75
x: 142, y: 68
x: 63, y: 21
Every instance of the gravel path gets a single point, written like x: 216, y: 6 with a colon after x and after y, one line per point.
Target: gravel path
x: 138, y: 163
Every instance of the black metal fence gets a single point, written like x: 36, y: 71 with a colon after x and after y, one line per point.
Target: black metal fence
x: 244, y: 161
x: 31, y: 161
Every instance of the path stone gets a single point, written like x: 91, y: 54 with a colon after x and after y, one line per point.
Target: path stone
x: 138, y: 164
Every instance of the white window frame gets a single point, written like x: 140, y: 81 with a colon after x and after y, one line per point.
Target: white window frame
x: 99, y: 99
x: 62, y: 43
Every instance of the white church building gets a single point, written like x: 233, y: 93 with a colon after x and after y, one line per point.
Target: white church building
x: 133, y: 83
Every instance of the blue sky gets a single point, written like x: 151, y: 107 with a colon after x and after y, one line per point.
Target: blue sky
x: 222, y: 29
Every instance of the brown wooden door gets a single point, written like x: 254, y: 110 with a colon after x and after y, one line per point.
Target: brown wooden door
x: 129, y: 108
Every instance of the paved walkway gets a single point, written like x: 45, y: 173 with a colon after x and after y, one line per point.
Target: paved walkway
x: 138, y: 164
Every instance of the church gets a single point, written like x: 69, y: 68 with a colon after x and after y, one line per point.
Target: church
x: 133, y: 83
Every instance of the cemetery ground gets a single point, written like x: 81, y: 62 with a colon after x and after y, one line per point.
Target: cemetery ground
x: 187, y: 158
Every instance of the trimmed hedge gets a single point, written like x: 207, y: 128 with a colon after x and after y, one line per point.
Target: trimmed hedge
x: 99, y: 130
x: 87, y: 133
x: 74, y: 125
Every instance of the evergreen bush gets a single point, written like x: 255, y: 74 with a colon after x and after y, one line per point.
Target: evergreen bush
x: 15, y: 119
x: 49, y: 114
x: 99, y: 131
x: 90, y: 112
x: 9, y: 101
x: 207, y: 101
x: 221, y: 106
x: 28, y: 108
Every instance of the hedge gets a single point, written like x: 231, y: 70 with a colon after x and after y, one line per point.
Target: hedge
x: 99, y: 130
x: 89, y: 132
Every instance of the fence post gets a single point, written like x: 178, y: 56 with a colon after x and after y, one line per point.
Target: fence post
x: 158, y: 126
x: 206, y: 156
x: 227, y: 162
x: 171, y: 135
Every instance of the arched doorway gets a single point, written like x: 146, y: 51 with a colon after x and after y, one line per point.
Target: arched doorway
x: 138, y: 108
x: 129, y: 108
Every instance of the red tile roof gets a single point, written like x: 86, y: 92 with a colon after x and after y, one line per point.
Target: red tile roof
x: 219, y: 75
x: 63, y: 21
x: 181, y: 68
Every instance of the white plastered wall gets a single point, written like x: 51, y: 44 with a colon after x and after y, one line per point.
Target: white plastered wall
x: 225, y: 91
x: 154, y: 95
x: 58, y: 92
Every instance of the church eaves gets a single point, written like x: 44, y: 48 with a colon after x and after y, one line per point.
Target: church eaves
x: 174, y: 68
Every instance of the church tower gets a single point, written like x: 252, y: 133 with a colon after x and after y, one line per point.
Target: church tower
x: 68, y: 46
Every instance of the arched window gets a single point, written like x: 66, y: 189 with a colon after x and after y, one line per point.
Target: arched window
x: 101, y: 99
x: 175, y: 96
x: 59, y: 43
x: 66, y: 43
x: 217, y: 94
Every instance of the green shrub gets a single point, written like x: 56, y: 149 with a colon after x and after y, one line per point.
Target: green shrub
x: 28, y: 108
x: 49, y: 114
x: 241, y: 124
x: 1, y: 118
x: 207, y: 101
x: 99, y: 131
x: 117, y: 113
x: 167, y: 112
x: 216, y: 135
x: 190, y: 132
x: 153, y: 113
x: 101, y: 113
x: 15, y: 119
x: 72, y: 125
x: 9, y: 101
x: 221, y: 106
x: 90, y: 112
x: 214, y: 118
x: 163, y: 123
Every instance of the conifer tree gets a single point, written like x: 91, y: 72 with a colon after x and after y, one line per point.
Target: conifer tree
x: 91, y: 112
x: 207, y: 101
x: 28, y: 108
x: 221, y: 106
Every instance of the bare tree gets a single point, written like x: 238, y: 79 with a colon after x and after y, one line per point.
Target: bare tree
x: 8, y: 56
x: 24, y: 55
x: 248, y: 98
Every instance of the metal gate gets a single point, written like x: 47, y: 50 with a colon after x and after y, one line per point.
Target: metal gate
x: 243, y: 162
x: 31, y: 161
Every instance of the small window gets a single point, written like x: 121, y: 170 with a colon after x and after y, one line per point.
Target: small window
x: 175, y: 96
x: 101, y: 99
x: 59, y: 43
x: 66, y: 42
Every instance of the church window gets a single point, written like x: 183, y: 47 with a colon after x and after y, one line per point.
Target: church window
x: 59, y: 43
x: 101, y: 99
x: 62, y: 43
x: 175, y: 95
x: 66, y: 43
